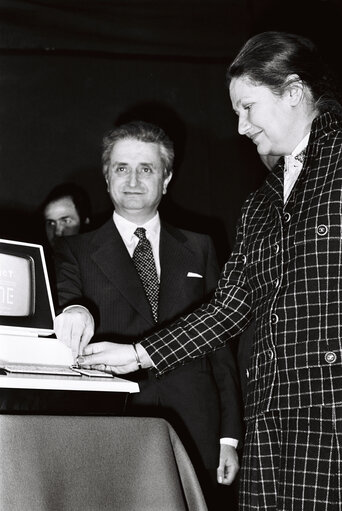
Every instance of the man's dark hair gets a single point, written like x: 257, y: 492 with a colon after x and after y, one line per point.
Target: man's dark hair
x: 78, y: 196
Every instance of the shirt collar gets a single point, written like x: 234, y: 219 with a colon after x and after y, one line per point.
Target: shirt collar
x: 127, y: 228
x: 301, y: 146
x: 294, y: 162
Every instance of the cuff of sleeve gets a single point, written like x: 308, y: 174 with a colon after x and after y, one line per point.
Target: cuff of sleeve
x: 145, y: 361
x: 73, y: 306
x: 229, y: 441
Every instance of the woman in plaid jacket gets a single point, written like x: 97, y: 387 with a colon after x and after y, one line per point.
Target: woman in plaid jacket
x: 286, y: 274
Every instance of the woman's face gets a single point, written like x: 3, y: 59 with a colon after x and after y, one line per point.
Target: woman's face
x: 264, y: 117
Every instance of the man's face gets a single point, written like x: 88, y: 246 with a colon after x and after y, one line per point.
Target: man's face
x: 61, y: 219
x: 136, y: 179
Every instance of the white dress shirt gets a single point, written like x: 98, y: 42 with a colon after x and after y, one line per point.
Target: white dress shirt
x: 293, y: 167
x: 126, y: 230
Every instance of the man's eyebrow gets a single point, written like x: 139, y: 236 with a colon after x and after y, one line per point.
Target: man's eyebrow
x: 56, y: 219
x: 151, y: 164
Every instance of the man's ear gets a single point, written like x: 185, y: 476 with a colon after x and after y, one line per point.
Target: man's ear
x: 294, y: 89
x: 166, y: 182
x: 107, y: 182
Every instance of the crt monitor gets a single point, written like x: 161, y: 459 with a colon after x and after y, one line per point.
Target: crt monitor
x: 25, y: 296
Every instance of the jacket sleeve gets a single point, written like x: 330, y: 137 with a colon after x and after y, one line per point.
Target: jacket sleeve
x: 224, y: 368
x: 211, y: 326
x: 68, y: 275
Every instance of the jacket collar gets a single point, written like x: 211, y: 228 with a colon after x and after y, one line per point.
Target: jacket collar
x: 176, y: 258
x: 322, y: 125
x: 273, y: 187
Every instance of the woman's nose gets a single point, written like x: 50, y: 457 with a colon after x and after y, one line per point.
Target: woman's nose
x: 243, y: 126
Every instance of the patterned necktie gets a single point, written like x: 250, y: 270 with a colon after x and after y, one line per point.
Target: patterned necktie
x: 146, y: 268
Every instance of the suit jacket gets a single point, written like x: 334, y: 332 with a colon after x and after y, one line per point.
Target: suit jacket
x: 286, y: 273
x: 95, y: 269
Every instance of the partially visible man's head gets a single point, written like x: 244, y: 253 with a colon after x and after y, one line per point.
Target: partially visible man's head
x: 137, y: 165
x: 66, y: 211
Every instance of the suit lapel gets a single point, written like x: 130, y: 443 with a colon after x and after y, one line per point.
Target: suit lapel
x: 273, y: 187
x: 112, y: 258
x: 175, y: 260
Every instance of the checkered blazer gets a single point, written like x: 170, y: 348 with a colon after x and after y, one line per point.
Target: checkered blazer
x: 286, y: 273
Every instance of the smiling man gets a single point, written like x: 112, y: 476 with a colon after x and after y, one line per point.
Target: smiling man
x: 135, y: 180
x: 137, y: 272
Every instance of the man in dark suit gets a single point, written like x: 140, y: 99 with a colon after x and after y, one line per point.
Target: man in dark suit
x: 98, y: 272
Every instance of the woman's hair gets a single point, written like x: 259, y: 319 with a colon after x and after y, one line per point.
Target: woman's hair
x: 270, y: 57
x: 144, y: 132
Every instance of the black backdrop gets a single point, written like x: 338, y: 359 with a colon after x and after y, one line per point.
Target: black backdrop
x: 70, y: 70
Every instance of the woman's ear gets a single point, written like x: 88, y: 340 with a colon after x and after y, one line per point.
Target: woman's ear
x: 294, y: 89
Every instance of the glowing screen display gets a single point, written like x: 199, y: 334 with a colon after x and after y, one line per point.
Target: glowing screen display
x: 17, y: 285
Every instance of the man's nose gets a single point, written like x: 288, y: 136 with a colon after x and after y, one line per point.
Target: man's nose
x: 133, y: 178
x: 59, y: 230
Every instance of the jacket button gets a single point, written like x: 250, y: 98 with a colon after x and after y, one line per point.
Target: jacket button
x: 276, y: 248
x: 247, y: 373
x: 243, y: 259
x: 269, y: 354
x: 330, y: 357
x: 322, y: 230
x: 287, y: 217
x: 274, y: 319
x: 276, y: 283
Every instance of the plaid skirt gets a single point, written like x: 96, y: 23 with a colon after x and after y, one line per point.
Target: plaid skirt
x: 292, y: 461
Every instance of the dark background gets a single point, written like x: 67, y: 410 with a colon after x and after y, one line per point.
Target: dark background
x: 70, y: 70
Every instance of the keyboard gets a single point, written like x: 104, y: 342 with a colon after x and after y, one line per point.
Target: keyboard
x: 54, y: 370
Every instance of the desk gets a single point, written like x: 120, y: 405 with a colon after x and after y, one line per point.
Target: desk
x: 32, y: 393
x: 68, y: 395
x: 53, y: 382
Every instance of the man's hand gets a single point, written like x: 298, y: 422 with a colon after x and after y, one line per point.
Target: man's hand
x: 74, y: 327
x: 113, y: 358
x: 229, y: 464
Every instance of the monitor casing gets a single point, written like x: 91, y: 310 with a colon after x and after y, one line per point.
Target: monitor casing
x: 26, y: 308
x: 26, y: 305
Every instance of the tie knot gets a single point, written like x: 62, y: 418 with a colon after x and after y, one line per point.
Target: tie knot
x: 140, y: 232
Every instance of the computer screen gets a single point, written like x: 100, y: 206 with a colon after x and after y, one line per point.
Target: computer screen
x: 25, y: 295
